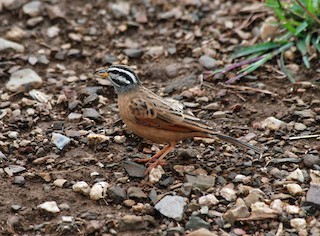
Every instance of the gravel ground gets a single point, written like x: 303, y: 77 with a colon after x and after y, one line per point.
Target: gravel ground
x: 66, y: 158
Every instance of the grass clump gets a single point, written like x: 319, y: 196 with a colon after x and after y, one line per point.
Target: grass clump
x: 298, y: 26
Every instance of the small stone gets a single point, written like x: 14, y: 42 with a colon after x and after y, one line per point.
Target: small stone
x: 132, y: 222
x: 19, y: 180
x: 298, y: 223
x: 129, y: 202
x: 16, y: 34
x: 272, y: 123
x: 13, y: 134
x: 51, y: 207
x: 117, y: 194
x: 294, y: 189
x: 305, y: 113
x: 120, y: 9
x: 208, y: 200
x: 23, y: 80
x: 43, y: 60
x: 91, y: 113
x: 14, y: 169
x: 172, y: 70
x: 156, y: 174
x: 60, y: 140
x: 202, y: 182
x: 299, y: 126
x: 6, y: 44
x: 155, y: 51
x: 59, y: 182
x: 64, y: 207
x: 296, y: 175
x: 99, y: 190
x: 292, y: 209
x: 16, y: 207
x: 120, y: 139
x: 133, y: 52
x: 32, y: 22
x: 239, y: 210
x: 277, y: 206
x: 134, y: 170
x: 81, y: 187
x: 171, y: 207
x: 228, y: 193
x: 219, y: 114
x: 196, y: 222
x: 67, y: 219
x: 310, y: 160
x: 255, y: 195
x: 74, y: 116
x: 53, y: 31
x: 268, y: 28
x: 93, y: 226
x: 207, y: 62
x: 136, y: 192
x: 32, y: 8
x: 55, y: 12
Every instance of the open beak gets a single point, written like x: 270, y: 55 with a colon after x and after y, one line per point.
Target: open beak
x: 102, y: 73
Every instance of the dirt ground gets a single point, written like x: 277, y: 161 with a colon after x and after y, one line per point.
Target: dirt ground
x: 165, y: 41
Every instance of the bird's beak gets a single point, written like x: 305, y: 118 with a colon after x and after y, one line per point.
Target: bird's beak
x: 102, y: 73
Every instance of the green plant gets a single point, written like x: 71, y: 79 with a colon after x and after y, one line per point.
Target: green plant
x: 299, y: 26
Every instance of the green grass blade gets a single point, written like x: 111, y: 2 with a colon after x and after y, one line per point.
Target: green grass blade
x: 285, y: 70
x: 316, y: 44
x: 262, y: 47
x: 302, y: 47
x: 301, y: 27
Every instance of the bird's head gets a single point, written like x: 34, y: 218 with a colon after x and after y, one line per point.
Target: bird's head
x: 123, y: 78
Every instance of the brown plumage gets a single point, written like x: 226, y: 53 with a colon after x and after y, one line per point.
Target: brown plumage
x: 154, y: 118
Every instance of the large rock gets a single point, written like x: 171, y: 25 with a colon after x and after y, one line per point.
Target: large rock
x: 6, y: 45
x: 171, y: 207
x: 23, y: 80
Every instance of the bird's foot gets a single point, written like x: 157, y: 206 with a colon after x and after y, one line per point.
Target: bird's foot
x: 155, y: 164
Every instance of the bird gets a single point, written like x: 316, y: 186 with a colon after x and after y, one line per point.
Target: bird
x: 156, y: 119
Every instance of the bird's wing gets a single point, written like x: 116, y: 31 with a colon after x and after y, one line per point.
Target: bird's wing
x: 156, y: 112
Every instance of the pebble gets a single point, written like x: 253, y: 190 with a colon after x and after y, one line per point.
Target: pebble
x: 277, y: 206
x: 64, y: 207
x: 136, y: 192
x: 53, y: 31
x: 300, y: 126
x: 74, y: 116
x: 298, y: 223
x: 255, y: 195
x: 228, y: 193
x: 23, y: 80
x: 129, y: 202
x: 156, y: 174
x: 32, y: 8
x: 60, y: 140
x: 202, y: 182
x: 32, y: 22
x: 292, y: 209
x: 296, y: 175
x: 16, y: 207
x: 172, y: 70
x: 294, y: 189
x: 91, y: 113
x: 134, y: 170
x: 81, y: 187
x: 118, y: 194
x: 6, y: 44
x: 132, y: 222
x: 171, y: 207
x: 99, y: 190
x: 305, y: 113
x: 120, y: 139
x: 13, y: 134
x: 50, y: 206
x: 133, y: 52
x: 272, y: 123
x: 120, y: 9
x: 59, y: 182
x: 207, y: 62
x: 314, y: 190
x: 19, y: 180
x: 239, y: 210
x: 14, y: 169
x: 310, y: 160
x: 196, y: 222
x: 208, y: 200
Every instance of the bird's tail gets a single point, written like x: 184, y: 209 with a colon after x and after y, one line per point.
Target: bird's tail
x: 237, y: 142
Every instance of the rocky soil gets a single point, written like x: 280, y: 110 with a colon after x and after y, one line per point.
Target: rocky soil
x: 66, y: 158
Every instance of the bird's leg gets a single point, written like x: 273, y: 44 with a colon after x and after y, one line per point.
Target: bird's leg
x: 169, y: 149
x: 154, y: 157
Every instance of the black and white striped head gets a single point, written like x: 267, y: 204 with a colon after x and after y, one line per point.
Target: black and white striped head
x: 123, y: 78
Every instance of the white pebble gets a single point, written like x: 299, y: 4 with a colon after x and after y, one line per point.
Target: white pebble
x: 277, y: 205
x: 228, y: 193
x: 208, y: 200
x: 81, y: 187
x: 296, y: 175
x: 51, y: 207
x: 99, y: 190
x: 298, y: 223
x: 156, y: 174
x: 292, y: 209
x: 120, y: 139
x: 294, y: 189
